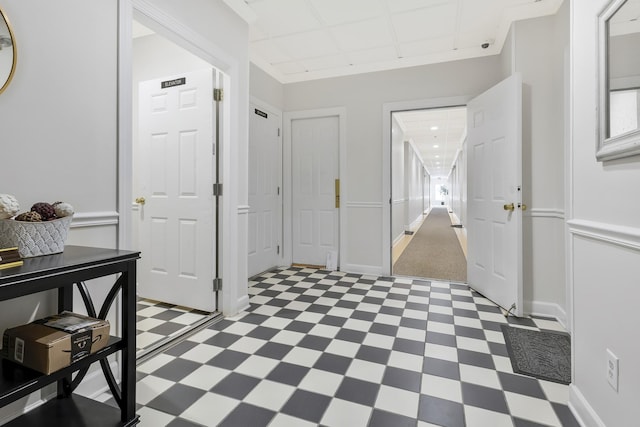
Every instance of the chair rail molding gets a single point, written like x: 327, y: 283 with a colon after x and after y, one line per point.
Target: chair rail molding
x: 547, y: 213
x: 95, y: 219
x: 628, y: 237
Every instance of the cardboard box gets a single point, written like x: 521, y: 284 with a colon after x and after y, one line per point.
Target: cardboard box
x: 55, y: 342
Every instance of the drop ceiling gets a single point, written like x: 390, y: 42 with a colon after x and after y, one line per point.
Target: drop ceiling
x: 437, y: 134
x: 298, y: 40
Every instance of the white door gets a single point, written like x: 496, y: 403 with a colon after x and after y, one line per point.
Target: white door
x: 175, y: 169
x: 315, y: 169
x: 265, y: 190
x: 494, y: 162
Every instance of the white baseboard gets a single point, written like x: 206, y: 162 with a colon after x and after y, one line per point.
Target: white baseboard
x: 584, y: 413
x: 374, y: 270
x: 94, y: 384
x: 547, y: 309
x: 243, y: 303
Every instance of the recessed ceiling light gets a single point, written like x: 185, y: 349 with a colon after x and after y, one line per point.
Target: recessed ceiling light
x: 436, y: 146
x: 437, y: 157
x: 434, y: 127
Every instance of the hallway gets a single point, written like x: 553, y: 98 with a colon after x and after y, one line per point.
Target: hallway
x: 337, y: 349
x: 434, y: 251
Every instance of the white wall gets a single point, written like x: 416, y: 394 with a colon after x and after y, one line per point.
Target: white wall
x: 539, y: 47
x: 604, y: 248
x: 413, y: 187
x: 59, y: 129
x: 266, y: 88
x: 458, y: 186
x: 398, y: 204
x: 363, y: 96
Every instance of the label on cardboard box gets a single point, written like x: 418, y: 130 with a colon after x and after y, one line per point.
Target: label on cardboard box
x: 50, y: 344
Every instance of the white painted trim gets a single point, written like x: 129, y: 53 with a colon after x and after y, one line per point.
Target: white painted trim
x: 584, y: 413
x: 547, y: 309
x: 627, y: 237
x: 241, y: 9
x: 21, y: 410
x: 94, y: 384
x: 94, y: 219
x: 387, y: 110
x: 366, y: 205
x: 546, y: 213
x: 243, y: 303
x: 243, y: 210
x: 374, y: 270
x: 288, y: 118
x: 215, y: 54
x: 416, y: 223
x: 125, y: 124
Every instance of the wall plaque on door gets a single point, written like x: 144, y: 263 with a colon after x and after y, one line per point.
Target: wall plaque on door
x: 174, y: 82
x: 260, y: 113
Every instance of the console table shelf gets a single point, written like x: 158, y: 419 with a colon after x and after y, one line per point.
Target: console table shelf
x: 63, y: 272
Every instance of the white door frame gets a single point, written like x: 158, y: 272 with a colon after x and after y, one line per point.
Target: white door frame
x: 273, y: 110
x: 387, y: 110
x: 341, y: 113
x: 183, y: 36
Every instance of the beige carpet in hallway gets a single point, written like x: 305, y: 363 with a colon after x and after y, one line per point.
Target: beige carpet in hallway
x: 434, y: 252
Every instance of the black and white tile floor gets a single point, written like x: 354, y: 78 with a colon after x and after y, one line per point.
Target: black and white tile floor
x: 334, y: 349
x: 158, y: 321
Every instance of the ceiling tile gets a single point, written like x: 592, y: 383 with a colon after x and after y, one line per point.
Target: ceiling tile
x: 363, y: 35
x: 427, y: 23
x: 426, y: 47
x: 269, y: 51
x: 279, y: 17
x: 335, y: 12
x: 324, y: 63
x: 404, y: 5
x: 308, y: 45
x: 474, y: 16
x: 367, y: 56
x: 290, y: 67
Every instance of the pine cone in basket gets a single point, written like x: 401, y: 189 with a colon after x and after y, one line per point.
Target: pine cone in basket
x: 29, y: 217
x: 63, y: 209
x: 46, y: 211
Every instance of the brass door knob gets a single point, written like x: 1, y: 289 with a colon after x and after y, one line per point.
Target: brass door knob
x: 510, y: 207
x: 140, y: 200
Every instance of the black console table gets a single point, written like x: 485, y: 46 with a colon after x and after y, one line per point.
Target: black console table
x: 62, y: 272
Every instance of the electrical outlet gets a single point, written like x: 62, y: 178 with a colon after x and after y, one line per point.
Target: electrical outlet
x: 612, y: 370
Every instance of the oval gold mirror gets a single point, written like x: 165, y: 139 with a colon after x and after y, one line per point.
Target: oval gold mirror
x: 8, y: 54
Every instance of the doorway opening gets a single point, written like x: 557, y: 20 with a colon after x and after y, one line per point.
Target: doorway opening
x: 428, y: 193
x: 174, y: 166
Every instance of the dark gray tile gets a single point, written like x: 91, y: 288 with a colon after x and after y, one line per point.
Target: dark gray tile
x: 358, y: 391
x: 235, y: 385
x: 397, y: 297
x: 277, y: 302
x: 176, y: 370
x: 476, y: 359
x: 519, y: 422
x: 263, y: 333
x: 297, y: 326
x: 307, y: 298
x: 464, y: 331
x: 488, y: 325
x: 521, y: 385
x: 373, y: 354
x: 441, y: 339
x: 333, y: 363
x: 441, y: 412
x: 402, y: 378
x: 441, y: 318
x: 351, y: 335
x: 181, y: 348
x: 488, y: 308
x: 484, y: 397
x: 417, y: 306
x: 460, y: 312
x: 176, y: 399
x: 498, y: 349
x: 314, y: 342
x: 391, y: 311
x: 333, y: 320
x: 408, y: 346
x: 255, y: 319
x: 288, y: 373
x: 384, y: 329
x: 306, y: 405
x: 363, y: 315
x: 408, y: 322
x: 333, y: 295
x: 274, y: 350
x: 288, y: 314
x: 167, y: 328
x: 521, y: 321
x: 181, y: 422
x: 223, y: 339
x: 168, y: 315
x: 373, y: 300
x: 567, y: 419
x: 347, y: 304
x: 228, y: 359
x: 441, y: 368
x: 318, y: 308
x: 248, y: 415
x: 387, y: 419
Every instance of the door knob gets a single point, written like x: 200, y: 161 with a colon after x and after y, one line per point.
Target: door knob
x: 140, y: 200
x: 510, y: 207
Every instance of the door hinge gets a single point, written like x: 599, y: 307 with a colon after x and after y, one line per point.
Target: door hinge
x: 278, y: 190
x: 218, y: 94
x: 217, y: 189
x: 278, y: 250
x: 278, y: 131
x: 217, y: 284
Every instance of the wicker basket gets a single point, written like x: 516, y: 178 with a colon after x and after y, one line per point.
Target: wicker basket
x: 35, y: 238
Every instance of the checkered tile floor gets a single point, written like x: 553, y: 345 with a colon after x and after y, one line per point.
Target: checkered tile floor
x: 159, y: 321
x: 335, y: 349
